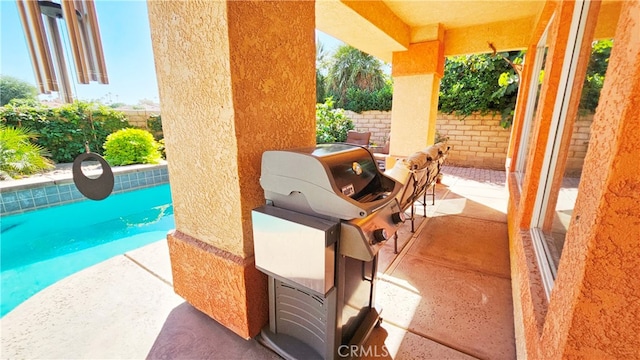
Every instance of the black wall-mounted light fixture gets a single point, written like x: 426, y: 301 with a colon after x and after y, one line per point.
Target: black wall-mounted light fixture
x: 46, y: 46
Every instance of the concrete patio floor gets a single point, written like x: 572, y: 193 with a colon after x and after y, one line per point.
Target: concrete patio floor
x: 446, y: 295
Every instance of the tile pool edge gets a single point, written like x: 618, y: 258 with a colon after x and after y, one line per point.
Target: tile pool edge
x: 42, y: 192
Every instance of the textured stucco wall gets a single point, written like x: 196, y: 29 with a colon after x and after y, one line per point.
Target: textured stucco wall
x: 193, y: 69
x: 385, y: 20
x: 421, y: 58
x: 369, y: 25
x: 221, y: 86
x: 546, y: 15
x: 575, y: 135
x: 529, y: 300
x: 505, y: 35
x: 273, y: 72
x: 530, y: 303
x: 596, y: 293
x: 595, y: 303
x: 526, y: 277
x: 217, y: 284
x: 416, y: 76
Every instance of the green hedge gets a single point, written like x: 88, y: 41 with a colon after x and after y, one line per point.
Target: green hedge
x: 63, y: 131
x: 360, y: 100
x: 480, y: 83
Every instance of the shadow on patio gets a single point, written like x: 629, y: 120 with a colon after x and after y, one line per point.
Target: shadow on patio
x: 448, y: 293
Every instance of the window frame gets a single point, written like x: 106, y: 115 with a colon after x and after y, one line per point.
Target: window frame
x: 557, y: 126
x: 530, y: 110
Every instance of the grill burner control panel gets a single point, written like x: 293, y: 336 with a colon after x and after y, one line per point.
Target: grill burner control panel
x: 362, y: 238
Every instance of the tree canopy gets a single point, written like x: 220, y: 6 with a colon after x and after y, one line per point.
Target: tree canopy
x: 480, y: 83
x: 350, y: 70
x: 13, y: 88
x: 472, y: 83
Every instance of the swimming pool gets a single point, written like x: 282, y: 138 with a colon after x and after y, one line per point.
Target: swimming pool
x: 41, y: 247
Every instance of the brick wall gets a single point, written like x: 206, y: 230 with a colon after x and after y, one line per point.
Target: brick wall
x: 378, y: 123
x: 138, y: 118
x: 578, y: 145
x: 478, y: 140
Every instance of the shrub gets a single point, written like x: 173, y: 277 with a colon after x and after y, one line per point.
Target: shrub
x: 65, y: 130
x: 18, y: 155
x: 154, y: 124
x: 332, y: 124
x: 162, y: 148
x: 131, y: 146
x: 480, y: 83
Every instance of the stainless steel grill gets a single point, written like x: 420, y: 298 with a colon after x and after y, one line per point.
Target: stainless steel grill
x: 328, y: 212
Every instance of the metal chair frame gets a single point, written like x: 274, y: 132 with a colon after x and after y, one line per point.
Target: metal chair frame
x: 416, y: 188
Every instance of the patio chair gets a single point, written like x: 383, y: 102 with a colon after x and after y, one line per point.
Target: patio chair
x: 381, y: 154
x: 358, y: 138
x: 422, y: 169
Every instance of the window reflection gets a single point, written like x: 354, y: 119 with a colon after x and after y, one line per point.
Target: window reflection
x: 567, y: 193
x: 531, y: 114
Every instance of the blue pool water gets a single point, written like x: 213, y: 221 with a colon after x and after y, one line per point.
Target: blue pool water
x: 41, y: 247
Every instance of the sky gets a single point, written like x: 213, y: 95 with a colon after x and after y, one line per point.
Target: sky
x: 126, y: 41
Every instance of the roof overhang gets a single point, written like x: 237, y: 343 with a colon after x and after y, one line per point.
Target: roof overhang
x: 381, y: 27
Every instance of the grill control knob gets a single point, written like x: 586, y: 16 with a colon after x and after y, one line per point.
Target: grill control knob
x: 398, y: 217
x: 379, y: 235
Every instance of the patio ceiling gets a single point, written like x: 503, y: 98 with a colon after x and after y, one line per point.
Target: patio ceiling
x: 380, y: 27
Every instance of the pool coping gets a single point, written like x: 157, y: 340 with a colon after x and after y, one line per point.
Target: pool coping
x: 37, y: 192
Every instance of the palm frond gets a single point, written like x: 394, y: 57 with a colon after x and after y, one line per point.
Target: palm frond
x: 20, y: 156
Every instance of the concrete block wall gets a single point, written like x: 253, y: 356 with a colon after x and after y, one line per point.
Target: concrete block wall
x: 378, y: 123
x: 476, y: 140
x: 579, y: 144
x: 138, y: 118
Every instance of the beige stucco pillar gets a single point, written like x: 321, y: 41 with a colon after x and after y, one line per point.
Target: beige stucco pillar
x: 236, y: 78
x: 416, y: 83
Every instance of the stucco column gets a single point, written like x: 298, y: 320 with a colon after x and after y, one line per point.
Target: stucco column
x: 236, y: 78
x: 416, y: 84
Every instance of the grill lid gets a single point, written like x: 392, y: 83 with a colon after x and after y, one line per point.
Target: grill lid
x: 334, y: 180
